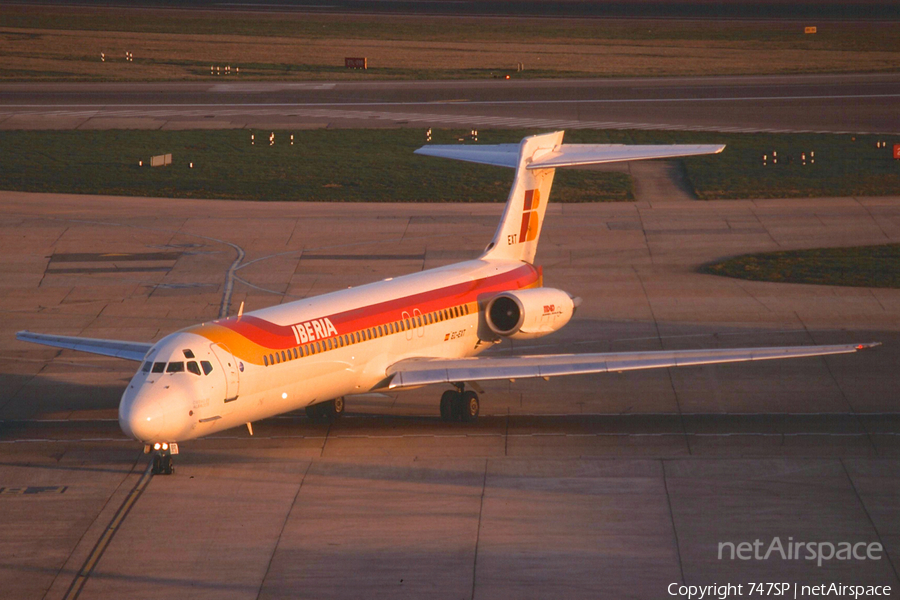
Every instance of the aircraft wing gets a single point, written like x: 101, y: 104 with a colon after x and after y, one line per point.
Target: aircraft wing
x: 423, y: 371
x: 115, y: 348
x: 565, y: 155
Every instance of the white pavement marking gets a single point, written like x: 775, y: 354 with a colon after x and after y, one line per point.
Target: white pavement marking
x: 530, y: 102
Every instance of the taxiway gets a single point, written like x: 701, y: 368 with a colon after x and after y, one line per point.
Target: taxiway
x: 853, y: 103
x: 596, y: 486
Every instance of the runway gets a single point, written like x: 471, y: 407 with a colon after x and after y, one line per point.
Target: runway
x: 583, y: 487
x: 856, y: 103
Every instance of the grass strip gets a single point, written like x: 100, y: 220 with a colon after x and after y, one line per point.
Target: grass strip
x: 835, y: 165
x: 350, y: 165
x: 64, y: 43
x: 859, y: 266
x: 322, y: 165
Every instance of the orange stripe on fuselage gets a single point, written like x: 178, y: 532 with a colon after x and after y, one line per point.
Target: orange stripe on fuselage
x: 248, y: 337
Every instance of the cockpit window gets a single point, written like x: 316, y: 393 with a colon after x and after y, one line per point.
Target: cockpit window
x: 159, y: 367
x: 146, y: 367
x: 188, y: 353
x: 193, y: 367
x: 175, y: 367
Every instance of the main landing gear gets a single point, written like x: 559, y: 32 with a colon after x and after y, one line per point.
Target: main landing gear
x: 163, y: 461
x: 326, y: 410
x: 460, y: 405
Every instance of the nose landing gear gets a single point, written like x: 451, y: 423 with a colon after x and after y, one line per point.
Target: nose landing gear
x: 460, y: 405
x: 163, y: 461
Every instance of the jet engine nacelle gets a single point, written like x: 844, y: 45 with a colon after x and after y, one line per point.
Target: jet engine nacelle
x: 524, y: 314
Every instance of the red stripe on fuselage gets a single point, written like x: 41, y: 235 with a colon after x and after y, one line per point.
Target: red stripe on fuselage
x: 278, y: 337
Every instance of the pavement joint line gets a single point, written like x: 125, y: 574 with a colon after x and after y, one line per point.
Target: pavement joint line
x: 868, y: 516
x: 478, y: 527
x: 467, y: 120
x: 539, y: 415
x: 662, y: 465
x: 865, y: 434
x: 287, y: 516
x: 97, y: 553
x: 137, y: 107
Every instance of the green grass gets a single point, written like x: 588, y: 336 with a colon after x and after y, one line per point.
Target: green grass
x: 379, y: 165
x: 833, y: 36
x: 860, y: 266
x: 322, y: 165
x: 844, y: 165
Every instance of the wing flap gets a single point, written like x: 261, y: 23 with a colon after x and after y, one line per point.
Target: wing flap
x: 423, y: 371
x: 114, y: 348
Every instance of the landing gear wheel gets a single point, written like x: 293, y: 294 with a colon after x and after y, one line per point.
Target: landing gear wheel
x: 163, y: 463
x: 469, y: 407
x: 333, y: 408
x: 326, y: 410
x: 449, y: 399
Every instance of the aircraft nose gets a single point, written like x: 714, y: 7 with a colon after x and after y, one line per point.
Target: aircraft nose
x: 149, y: 413
x: 141, y: 421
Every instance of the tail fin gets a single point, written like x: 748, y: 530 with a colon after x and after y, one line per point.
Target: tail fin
x: 520, y: 227
x: 536, y: 159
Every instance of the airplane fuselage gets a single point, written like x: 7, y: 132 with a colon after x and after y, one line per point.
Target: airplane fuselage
x: 229, y: 372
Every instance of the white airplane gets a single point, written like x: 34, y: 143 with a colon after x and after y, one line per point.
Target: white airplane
x: 402, y: 332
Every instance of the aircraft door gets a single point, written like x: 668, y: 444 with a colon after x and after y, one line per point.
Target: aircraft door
x: 230, y: 367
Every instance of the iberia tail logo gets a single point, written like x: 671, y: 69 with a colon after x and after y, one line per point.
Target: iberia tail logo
x: 530, y: 222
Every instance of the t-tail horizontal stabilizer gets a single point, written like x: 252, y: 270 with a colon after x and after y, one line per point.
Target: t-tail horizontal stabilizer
x: 535, y: 160
x: 566, y: 155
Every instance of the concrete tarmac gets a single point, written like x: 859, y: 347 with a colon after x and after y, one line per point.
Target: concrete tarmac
x: 849, y: 103
x: 603, y: 486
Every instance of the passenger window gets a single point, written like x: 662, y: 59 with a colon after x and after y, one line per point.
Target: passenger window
x: 380, y: 331
x: 207, y: 366
x: 328, y: 344
x: 175, y: 367
x: 466, y: 308
x: 159, y: 367
x: 188, y: 353
x: 146, y: 366
x: 319, y: 346
x: 193, y: 367
x: 265, y: 360
x: 296, y: 355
